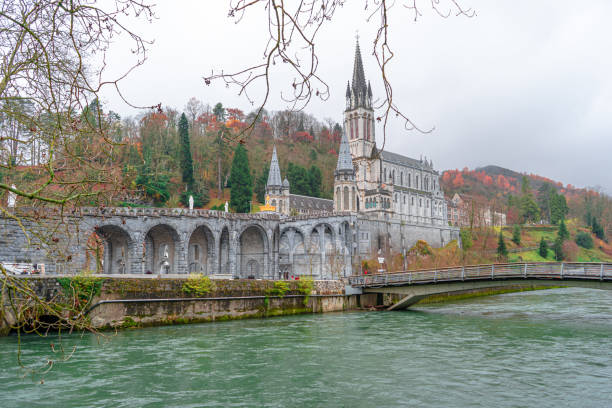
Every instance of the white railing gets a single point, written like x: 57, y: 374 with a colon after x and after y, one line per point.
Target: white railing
x: 562, y: 270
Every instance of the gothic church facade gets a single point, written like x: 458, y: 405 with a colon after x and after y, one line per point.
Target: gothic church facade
x: 397, y: 199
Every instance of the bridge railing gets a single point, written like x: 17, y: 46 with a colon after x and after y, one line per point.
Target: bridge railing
x: 544, y: 270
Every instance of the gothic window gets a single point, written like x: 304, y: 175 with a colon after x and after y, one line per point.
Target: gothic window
x: 404, y: 199
x: 338, y: 202
x: 393, y: 177
x: 353, y: 204
x: 420, y: 202
x: 416, y: 179
x: 395, y: 198
x: 385, y: 175
x: 412, y: 200
x: 346, y: 199
x: 369, y: 127
x: 350, y: 124
x: 401, y: 178
x: 356, y: 120
x: 409, y: 179
x: 365, y: 126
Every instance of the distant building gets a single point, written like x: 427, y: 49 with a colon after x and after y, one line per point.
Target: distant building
x: 465, y: 212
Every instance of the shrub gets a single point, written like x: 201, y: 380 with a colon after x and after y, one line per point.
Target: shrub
x: 466, y: 238
x: 570, y: 251
x: 198, y: 285
x: 280, y: 288
x: 584, y: 239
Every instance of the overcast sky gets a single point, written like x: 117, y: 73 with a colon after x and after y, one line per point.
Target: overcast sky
x: 525, y: 85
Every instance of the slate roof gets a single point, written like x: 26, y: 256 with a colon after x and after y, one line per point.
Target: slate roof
x: 402, y: 160
x: 274, y: 176
x: 345, y: 160
x: 310, y: 204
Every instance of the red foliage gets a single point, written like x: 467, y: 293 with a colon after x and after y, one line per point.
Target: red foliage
x: 458, y: 181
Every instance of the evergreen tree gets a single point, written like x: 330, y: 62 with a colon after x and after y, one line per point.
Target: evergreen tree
x: 563, y: 233
x: 558, y: 249
x: 299, y: 179
x: 516, y: 234
x: 558, y: 208
x: 241, y: 192
x: 260, y: 184
x: 219, y: 112
x: 314, y: 181
x: 543, y: 251
x: 502, y: 250
x: 186, y: 159
x: 597, y: 229
x: 529, y: 210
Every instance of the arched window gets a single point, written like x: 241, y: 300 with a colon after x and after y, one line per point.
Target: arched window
x: 393, y: 177
x: 346, y: 199
x: 401, y: 178
x: 404, y: 199
x: 338, y: 198
x: 353, y: 203
x: 350, y: 125
x: 409, y: 179
x: 369, y: 127
x: 416, y: 182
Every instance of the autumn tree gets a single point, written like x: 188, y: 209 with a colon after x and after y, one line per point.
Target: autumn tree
x: 53, y: 68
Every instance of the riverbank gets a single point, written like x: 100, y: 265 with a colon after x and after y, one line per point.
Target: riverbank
x: 119, y: 302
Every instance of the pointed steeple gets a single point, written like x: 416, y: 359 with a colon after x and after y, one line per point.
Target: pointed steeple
x: 348, y: 89
x: 345, y: 160
x: 359, y: 82
x: 274, y: 176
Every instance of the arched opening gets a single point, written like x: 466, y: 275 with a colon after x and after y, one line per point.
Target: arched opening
x: 224, y: 252
x: 326, y: 262
x: 338, y: 198
x: 114, y: 258
x: 292, y: 257
x: 200, y: 250
x: 161, y: 250
x: 253, y: 249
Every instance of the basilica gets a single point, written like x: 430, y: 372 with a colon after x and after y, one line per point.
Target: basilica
x: 367, y: 180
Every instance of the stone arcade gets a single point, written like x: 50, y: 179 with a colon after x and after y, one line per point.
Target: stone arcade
x: 383, y: 203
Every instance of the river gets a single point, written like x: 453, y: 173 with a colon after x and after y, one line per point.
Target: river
x: 532, y: 349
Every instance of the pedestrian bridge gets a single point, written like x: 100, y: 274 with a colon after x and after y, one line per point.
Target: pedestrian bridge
x: 416, y: 285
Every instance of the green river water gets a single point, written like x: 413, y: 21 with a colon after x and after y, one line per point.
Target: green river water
x: 532, y: 349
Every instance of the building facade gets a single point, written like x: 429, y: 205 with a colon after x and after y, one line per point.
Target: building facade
x: 397, y: 199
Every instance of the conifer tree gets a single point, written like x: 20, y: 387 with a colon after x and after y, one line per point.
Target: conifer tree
x: 186, y: 159
x: 558, y: 249
x: 502, y: 250
x: 260, y: 184
x: 516, y: 234
x: 241, y: 191
x: 543, y: 251
x: 563, y: 233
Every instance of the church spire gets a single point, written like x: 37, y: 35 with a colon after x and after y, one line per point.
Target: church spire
x: 359, y: 94
x: 345, y: 160
x: 274, y: 176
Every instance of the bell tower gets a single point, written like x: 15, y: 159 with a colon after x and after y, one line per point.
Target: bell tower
x: 359, y: 114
